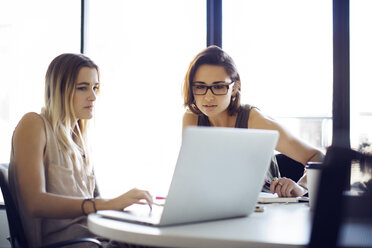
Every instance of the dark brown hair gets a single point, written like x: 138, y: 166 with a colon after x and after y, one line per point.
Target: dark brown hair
x: 212, y: 55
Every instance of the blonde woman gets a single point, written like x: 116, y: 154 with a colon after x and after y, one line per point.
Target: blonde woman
x: 50, y: 173
x: 212, y: 97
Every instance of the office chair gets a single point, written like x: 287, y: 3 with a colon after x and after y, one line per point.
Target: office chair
x: 289, y: 168
x: 17, y: 237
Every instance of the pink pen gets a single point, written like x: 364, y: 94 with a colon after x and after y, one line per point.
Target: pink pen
x: 159, y: 198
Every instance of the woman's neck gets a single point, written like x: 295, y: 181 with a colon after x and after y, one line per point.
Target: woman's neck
x: 223, y: 120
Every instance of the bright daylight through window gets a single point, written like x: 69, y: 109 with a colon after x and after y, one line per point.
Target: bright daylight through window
x: 282, y: 48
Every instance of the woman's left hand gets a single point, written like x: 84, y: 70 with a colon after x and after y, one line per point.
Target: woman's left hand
x: 286, y: 187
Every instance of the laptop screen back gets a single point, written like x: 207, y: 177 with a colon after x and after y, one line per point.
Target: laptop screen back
x: 219, y: 173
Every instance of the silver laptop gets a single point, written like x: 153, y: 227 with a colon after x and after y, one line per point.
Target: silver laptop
x: 219, y: 174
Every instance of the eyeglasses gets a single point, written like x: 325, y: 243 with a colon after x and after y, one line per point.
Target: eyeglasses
x: 218, y: 89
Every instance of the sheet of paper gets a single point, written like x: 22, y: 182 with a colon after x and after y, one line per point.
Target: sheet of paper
x: 273, y: 198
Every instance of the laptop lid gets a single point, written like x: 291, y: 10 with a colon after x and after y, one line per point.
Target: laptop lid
x: 219, y: 174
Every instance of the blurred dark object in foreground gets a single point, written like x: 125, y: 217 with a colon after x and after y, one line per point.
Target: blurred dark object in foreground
x: 343, y: 214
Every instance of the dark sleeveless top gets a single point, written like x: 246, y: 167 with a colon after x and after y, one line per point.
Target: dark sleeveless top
x: 242, y: 122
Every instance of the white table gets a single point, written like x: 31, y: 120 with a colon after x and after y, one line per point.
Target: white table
x: 280, y: 225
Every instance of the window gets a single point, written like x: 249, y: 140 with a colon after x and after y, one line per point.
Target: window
x: 360, y: 75
x: 283, y: 51
x: 143, y: 49
x: 32, y: 34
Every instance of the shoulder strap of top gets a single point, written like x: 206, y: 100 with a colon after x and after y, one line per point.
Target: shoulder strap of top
x: 243, y: 116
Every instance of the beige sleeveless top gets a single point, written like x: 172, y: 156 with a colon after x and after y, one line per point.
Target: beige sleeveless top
x: 60, y: 180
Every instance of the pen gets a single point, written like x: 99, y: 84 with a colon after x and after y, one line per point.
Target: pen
x: 157, y: 204
x: 160, y: 198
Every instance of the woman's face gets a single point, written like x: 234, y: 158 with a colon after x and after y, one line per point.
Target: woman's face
x: 212, y: 75
x: 85, y: 92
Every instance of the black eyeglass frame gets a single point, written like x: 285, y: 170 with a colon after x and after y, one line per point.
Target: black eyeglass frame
x: 211, y: 88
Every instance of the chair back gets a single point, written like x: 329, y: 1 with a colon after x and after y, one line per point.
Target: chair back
x: 17, y: 234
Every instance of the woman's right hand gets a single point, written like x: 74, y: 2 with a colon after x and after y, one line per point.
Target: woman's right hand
x: 133, y: 196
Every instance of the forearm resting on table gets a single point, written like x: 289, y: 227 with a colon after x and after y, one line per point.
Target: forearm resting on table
x: 48, y: 205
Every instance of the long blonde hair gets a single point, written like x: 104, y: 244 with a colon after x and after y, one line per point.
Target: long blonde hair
x: 60, y: 81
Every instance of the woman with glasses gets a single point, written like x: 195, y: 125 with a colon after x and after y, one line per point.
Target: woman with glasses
x: 212, y: 97
x: 50, y: 171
